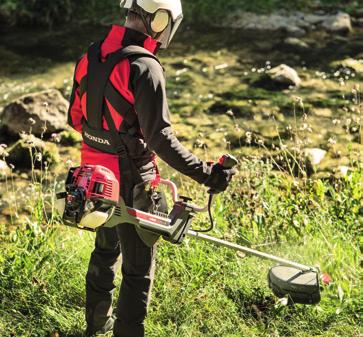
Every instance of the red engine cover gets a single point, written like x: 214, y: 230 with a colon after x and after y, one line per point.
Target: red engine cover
x: 98, y: 182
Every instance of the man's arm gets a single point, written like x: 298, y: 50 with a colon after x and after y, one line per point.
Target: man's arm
x: 148, y: 84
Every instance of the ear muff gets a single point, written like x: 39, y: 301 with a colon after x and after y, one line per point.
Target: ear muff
x: 160, y: 21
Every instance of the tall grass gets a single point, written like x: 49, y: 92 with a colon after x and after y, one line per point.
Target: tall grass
x: 43, y: 265
x: 201, y: 290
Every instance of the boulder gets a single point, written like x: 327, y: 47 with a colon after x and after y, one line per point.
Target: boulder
x: 339, y: 23
x: 296, y: 44
x: 315, y: 155
x: 314, y: 19
x: 296, y: 166
x: 343, y: 170
x: 359, y: 22
x: 285, y: 75
x: 356, y: 65
x: 358, y: 13
x: 295, y: 31
x: 294, y: 23
x: 275, y: 22
x: 280, y: 77
x: 31, y: 152
x: 42, y: 113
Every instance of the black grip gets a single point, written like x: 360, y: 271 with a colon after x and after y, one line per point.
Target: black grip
x: 228, y: 161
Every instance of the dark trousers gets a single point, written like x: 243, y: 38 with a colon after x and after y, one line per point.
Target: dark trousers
x: 138, y: 267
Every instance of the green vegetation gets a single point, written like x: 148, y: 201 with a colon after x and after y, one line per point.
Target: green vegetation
x: 49, y: 13
x: 42, y: 265
x: 279, y: 203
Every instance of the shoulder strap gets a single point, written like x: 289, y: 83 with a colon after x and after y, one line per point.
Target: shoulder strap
x: 137, y: 52
x: 98, y: 74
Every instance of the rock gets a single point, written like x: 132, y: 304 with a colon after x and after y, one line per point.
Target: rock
x: 343, y: 170
x: 280, y: 77
x: 315, y: 155
x: 295, y: 31
x: 358, y: 13
x: 322, y: 112
x: 296, y: 44
x: 339, y: 23
x: 295, y: 166
x: 31, y: 149
x: 314, y: 19
x: 33, y: 111
x: 356, y: 65
x: 293, y: 23
x: 275, y: 22
x: 359, y: 22
x: 223, y: 107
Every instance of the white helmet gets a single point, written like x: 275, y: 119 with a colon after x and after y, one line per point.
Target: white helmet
x: 162, y: 17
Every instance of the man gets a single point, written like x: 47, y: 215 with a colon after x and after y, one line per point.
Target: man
x: 119, y: 104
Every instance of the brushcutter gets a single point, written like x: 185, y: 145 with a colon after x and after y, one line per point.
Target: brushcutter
x: 92, y: 201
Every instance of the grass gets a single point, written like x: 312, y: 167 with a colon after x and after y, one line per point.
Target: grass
x: 43, y: 265
x: 202, y: 290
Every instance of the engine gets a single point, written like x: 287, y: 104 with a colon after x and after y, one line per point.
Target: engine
x: 92, y: 191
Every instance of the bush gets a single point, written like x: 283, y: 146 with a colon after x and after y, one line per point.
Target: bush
x: 49, y: 13
x: 37, y: 12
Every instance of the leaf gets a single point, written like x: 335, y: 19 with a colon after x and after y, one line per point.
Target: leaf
x: 340, y: 293
x: 241, y: 255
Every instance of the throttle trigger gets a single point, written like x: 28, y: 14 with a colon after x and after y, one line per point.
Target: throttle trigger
x: 185, y: 199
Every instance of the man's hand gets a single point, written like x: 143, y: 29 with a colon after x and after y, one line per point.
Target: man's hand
x: 219, y: 178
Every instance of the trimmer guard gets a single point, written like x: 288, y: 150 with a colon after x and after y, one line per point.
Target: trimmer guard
x: 300, y: 286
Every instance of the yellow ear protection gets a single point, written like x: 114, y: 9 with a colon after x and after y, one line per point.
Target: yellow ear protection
x: 160, y: 21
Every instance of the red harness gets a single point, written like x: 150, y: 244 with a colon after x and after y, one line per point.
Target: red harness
x: 108, y: 111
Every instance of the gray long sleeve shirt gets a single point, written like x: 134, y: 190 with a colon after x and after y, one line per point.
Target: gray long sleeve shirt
x: 149, y: 88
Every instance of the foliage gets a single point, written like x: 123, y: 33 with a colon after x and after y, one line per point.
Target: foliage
x: 48, y: 13
x: 200, y: 290
x: 43, y: 265
x: 37, y: 12
x: 42, y: 12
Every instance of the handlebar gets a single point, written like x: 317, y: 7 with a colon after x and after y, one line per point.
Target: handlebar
x: 227, y: 161
x: 175, y: 195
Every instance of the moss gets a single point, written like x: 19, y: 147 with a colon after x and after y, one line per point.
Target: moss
x: 31, y: 152
x: 70, y: 138
x: 238, y: 108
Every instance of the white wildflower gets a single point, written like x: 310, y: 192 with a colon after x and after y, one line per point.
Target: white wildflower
x: 248, y: 137
x: 332, y: 141
x: 38, y: 156
x: 230, y: 113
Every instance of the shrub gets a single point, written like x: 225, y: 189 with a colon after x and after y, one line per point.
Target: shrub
x: 49, y: 13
